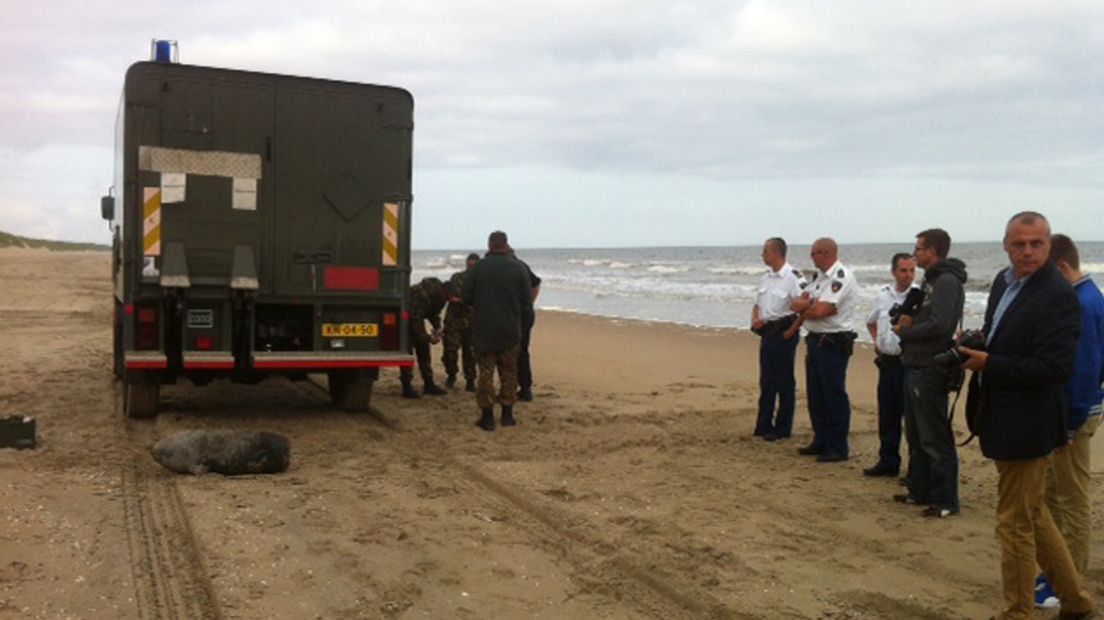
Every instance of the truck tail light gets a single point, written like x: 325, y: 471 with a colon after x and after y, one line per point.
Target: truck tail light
x: 389, y: 332
x: 204, y: 343
x: 147, y: 328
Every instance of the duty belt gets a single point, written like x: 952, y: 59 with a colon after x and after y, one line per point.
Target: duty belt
x: 776, y: 327
x: 843, y: 341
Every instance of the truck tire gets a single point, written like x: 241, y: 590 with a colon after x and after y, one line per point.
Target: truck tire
x: 351, y: 390
x: 140, y: 397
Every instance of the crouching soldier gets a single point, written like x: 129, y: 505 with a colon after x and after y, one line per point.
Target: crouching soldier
x: 427, y: 299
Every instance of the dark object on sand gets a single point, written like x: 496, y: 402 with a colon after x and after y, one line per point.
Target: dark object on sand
x: 228, y: 452
x: 17, y: 432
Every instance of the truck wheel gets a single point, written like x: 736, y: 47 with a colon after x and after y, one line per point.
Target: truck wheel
x: 140, y: 397
x: 351, y: 390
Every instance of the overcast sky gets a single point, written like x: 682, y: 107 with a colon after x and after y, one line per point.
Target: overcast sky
x: 590, y: 123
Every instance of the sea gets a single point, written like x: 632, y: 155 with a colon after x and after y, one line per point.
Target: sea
x: 714, y: 287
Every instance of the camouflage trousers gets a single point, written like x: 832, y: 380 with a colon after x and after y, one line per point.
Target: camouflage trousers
x: 506, y: 364
x: 458, y: 341
x: 425, y: 365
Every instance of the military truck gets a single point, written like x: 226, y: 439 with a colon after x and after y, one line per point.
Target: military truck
x: 261, y: 227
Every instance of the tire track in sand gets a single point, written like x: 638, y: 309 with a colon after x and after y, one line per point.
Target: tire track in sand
x: 597, y: 563
x: 170, y: 579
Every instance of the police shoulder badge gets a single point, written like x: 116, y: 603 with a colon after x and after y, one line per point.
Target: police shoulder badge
x: 836, y: 286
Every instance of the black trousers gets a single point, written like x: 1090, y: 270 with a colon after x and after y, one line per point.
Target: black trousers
x: 776, y: 384
x: 524, y: 368
x: 891, y: 410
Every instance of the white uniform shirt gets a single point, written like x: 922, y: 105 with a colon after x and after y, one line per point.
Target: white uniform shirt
x: 838, y: 287
x: 777, y: 290
x: 888, y: 342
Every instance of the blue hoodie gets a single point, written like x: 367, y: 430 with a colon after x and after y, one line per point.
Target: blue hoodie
x: 1084, y: 389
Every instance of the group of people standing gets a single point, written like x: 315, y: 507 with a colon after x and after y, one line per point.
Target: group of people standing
x: 487, y: 327
x: 1035, y: 395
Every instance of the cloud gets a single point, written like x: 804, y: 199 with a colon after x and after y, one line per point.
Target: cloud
x: 987, y: 92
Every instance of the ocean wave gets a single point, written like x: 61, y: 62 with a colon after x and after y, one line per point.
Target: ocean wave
x: 738, y: 271
x: 587, y: 262
x: 620, y: 265
x: 873, y: 268
x: 664, y: 269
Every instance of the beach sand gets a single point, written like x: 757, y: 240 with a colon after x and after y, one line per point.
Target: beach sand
x: 632, y: 488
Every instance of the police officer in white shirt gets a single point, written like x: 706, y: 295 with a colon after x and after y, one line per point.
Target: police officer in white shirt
x: 891, y: 373
x: 776, y: 324
x: 826, y: 308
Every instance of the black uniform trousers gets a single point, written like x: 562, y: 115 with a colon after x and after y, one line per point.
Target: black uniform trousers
x: 891, y: 409
x: 826, y: 389
x: 524, y: 368
x: 776, y: 384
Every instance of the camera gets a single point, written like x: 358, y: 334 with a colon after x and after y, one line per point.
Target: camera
x: 971, y: 339
x: 908, y: 307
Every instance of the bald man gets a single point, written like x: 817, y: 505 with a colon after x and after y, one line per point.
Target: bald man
x: 825, y: 309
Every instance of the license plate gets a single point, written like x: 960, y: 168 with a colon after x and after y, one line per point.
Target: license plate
x: 350, y: 330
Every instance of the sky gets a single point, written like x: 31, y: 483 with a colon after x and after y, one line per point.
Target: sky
x: 593, y: 123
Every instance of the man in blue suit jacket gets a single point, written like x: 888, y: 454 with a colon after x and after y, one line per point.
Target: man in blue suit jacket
x: 1031, y: 325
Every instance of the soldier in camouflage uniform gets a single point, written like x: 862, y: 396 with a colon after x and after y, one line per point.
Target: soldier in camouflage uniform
x: 458, y: 331
x: 427, y: 299
x: 497, y: 288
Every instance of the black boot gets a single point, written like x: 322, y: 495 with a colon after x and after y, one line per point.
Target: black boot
x: 431, y: 389
x: 525, y: 394
x: 450, y: 382
x: 508, y: 416
x: 487, y: 422
x: 409, y: 391
x: 470, y: 385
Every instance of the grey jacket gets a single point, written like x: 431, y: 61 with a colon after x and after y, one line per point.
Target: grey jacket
x: 933, y: 328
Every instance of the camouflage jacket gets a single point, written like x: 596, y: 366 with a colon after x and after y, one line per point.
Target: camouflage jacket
x: 457, y: 312
x: 427, y: 299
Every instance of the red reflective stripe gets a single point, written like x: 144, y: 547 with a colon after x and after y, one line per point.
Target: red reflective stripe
x: 329, y: 364
x: 351, y: 278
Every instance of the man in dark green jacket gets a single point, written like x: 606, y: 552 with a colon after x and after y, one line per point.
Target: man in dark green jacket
x: 497, y: 288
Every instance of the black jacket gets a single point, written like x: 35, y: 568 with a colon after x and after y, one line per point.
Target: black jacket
x: 1022, y: 391
x: 933, y: 328
x: 497, y: 289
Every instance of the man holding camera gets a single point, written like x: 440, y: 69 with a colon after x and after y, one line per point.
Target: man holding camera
x: 776, y: 324
x: 933, y: 460
x: 893, y: 302
x: 1032, y: 323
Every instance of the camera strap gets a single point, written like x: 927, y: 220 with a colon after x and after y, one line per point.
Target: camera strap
x: 958, y: 393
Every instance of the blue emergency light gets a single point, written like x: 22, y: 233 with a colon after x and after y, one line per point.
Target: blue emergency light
x: 162, y: 50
